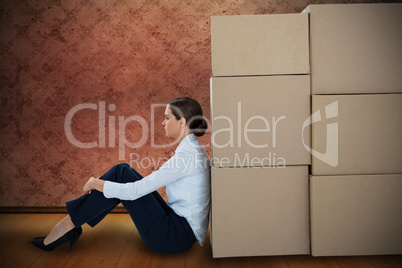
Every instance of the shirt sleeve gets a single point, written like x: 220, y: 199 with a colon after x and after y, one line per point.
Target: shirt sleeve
x: 175, y: 168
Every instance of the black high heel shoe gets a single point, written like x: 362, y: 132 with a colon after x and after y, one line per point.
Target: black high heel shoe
x: 70, y: 237
x: 79, y: 230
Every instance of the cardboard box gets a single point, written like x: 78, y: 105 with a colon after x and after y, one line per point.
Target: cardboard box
x: 258, y: 121
x: 260, y: 44
x: 356, y: 215
x: 259, y: 211
x: 361, y: 132
x: 356, y: 48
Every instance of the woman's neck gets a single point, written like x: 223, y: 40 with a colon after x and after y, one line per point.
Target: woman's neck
x: 185, y: 134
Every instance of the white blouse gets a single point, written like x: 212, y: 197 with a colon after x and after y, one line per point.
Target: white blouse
x: 187, y: 176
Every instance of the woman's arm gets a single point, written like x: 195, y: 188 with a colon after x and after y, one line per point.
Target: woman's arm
x: 93, y: 184
x: 178, y: 166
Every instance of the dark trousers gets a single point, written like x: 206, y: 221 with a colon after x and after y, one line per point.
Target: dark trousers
x: 161, y: 229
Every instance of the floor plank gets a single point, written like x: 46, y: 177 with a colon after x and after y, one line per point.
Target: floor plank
x: 116, y: 243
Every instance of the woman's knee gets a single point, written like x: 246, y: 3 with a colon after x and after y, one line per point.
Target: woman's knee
x: 125, y: 173
x: 122, y: 166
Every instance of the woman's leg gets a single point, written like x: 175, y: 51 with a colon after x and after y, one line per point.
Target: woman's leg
x: 59, y: 230
x: 161, y: 229
x: 90, y: 208
x: 158, y: 225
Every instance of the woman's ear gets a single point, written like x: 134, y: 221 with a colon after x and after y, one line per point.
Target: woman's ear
x: 183, y: 122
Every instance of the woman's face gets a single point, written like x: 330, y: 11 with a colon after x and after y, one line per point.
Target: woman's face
x: 173, y: 127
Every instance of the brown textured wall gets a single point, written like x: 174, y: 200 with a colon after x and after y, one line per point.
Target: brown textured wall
x: 56, y: 55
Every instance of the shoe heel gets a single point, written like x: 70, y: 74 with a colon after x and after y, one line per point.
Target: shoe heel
x: 73, y: 242
x: 72, y: 245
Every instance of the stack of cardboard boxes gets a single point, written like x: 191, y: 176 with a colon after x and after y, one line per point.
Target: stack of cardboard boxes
x: 260, y: 98
x: 356, y: 82
x: 262, y: 115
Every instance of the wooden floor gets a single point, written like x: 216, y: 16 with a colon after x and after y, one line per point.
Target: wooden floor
x: 116, y: 243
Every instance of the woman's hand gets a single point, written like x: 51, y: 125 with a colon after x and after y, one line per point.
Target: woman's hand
x: 93, y: 184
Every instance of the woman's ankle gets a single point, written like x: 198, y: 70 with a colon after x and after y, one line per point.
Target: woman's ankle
x: 63, y: 227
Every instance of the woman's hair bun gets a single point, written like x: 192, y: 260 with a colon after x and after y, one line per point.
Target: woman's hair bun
x: 200, y: 127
